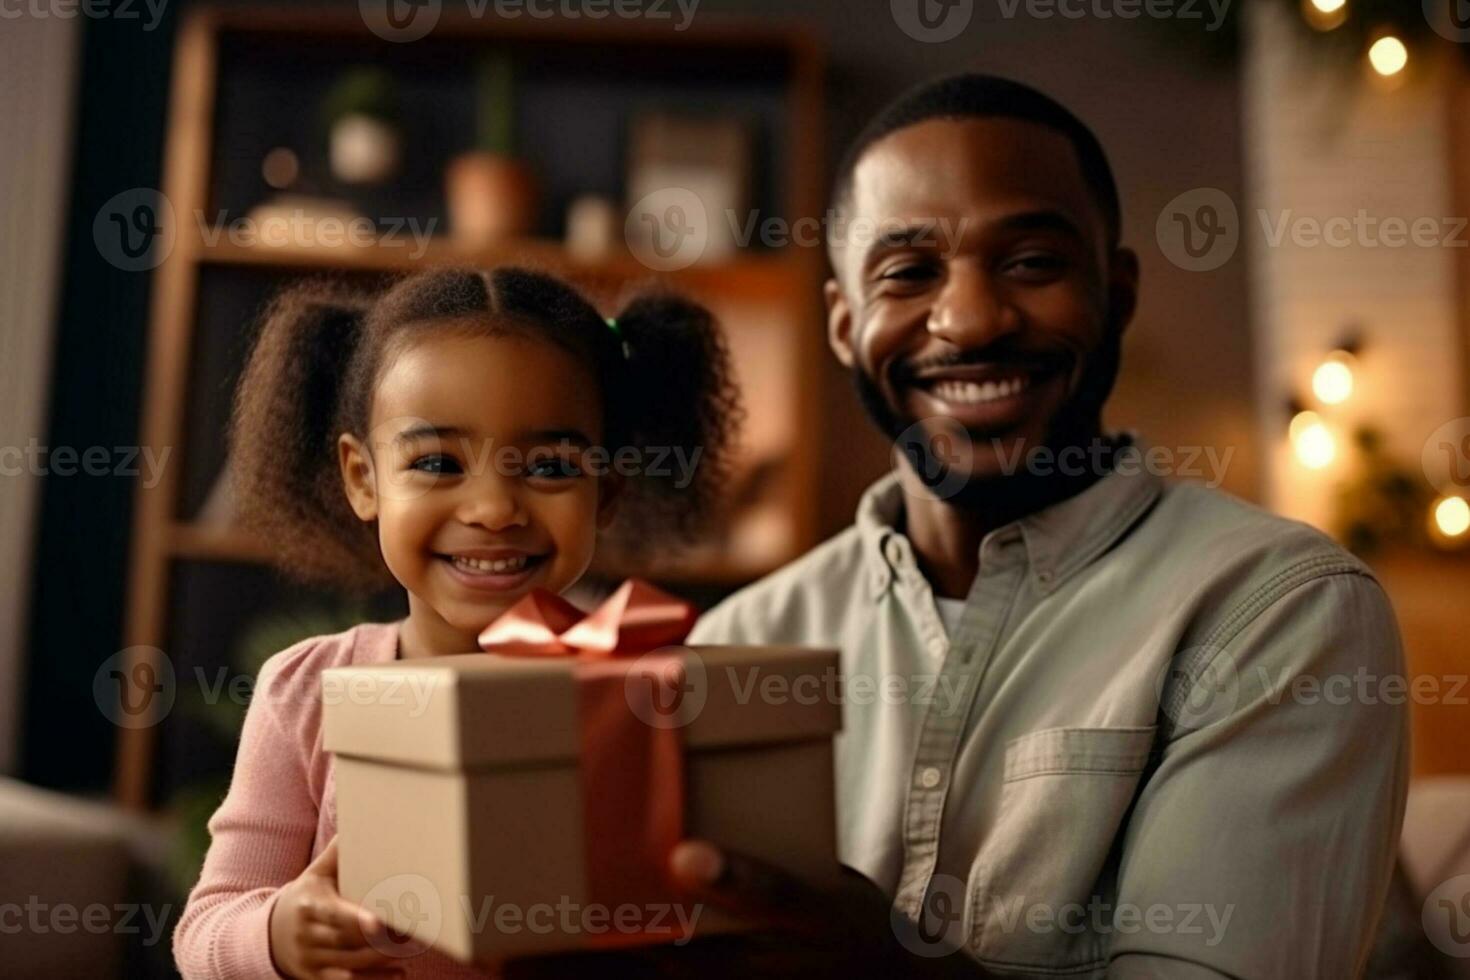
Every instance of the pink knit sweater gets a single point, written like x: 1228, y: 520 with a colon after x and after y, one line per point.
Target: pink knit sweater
x: 279, y: 814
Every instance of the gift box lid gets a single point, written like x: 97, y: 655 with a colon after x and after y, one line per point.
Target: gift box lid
x: 480, y: 710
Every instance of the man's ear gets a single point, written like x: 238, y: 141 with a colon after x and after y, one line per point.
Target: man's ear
x: 610, y: 489
x: 358, y: 480
x: 839, y: 323
x: 1122, y: 287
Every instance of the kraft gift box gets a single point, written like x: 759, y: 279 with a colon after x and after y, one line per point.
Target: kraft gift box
x: 466, y: 818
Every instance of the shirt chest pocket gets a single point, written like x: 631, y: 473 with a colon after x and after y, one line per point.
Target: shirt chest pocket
x: 1042, y: 882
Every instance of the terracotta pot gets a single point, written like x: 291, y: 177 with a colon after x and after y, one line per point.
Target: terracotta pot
x: 491, y: 198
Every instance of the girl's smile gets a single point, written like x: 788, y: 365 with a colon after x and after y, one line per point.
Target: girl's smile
x: 494, y: 569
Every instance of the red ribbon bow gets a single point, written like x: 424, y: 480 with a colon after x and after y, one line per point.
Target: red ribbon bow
x: 635, y: 619
x: 632, y: 771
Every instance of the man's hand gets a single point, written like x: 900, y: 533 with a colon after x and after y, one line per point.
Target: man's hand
x: 848, y: 931
x: 800, y: 931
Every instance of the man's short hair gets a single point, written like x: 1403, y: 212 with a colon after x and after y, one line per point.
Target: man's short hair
x: 980, y: 96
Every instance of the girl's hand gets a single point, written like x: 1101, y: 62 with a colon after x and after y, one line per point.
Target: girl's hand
x: 316, y: 934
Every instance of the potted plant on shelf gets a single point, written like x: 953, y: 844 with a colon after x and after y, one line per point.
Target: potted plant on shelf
x: 491, y: 195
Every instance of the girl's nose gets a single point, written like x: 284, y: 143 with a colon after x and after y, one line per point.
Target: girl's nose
x: 493, y: 505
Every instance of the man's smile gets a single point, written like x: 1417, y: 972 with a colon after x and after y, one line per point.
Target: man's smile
x: 994, y: 396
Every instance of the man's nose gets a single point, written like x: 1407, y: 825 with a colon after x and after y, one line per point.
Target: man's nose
x: 493, y: 502
x: 972, y: 310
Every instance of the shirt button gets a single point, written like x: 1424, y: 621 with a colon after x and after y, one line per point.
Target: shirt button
x: 930, y: 777
x: 936, y: 646
x: 1044, y: 577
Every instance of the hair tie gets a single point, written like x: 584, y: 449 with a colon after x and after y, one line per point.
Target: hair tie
x: 612, y: 324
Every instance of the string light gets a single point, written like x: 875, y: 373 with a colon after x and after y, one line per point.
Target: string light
x: 1332, y: 382
x: 1388, y: 56
x: 1313, y: 441
x: 1451, y: 516
x: 1324, y: 15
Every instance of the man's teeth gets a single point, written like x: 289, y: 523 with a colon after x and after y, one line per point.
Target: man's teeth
x: 974, y: 392
x: 499, y: 566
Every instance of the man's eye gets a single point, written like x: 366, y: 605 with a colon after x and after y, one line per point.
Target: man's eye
x: 554, y: 468
x: 912, y: 272
x: 436, y: 463
x: 1037, y: 264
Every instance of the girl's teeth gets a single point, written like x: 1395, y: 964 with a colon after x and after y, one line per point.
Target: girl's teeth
x: 975, y: 392
x: 498, y: 566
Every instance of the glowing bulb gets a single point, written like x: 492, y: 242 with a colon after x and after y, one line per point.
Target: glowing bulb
x: 1300, y: 422
x: 1312, y: 441
x: 1388, y: 56
x: 1332, y: 382
x: 1452, y: 516
x: 1324, y: 15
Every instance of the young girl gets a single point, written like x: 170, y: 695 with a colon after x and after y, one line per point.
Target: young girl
x: 467, y: 434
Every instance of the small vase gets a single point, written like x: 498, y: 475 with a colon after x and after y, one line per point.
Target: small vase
x: 491, y: 197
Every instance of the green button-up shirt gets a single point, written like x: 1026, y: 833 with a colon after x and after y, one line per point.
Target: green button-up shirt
x: 1167, y: 738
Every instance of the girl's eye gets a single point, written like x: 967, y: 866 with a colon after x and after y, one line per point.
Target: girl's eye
x: 554, y: 468
x: 436, y: 463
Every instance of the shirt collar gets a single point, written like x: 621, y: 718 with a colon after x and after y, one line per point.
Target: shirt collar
x: 1060, y: 540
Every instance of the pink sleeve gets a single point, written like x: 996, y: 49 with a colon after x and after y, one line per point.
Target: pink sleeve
x: 263, y: 832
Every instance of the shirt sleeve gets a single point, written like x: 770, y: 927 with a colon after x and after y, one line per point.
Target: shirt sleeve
x: 261, y: 836
x: 1269, y: 828
x: 718, y: 627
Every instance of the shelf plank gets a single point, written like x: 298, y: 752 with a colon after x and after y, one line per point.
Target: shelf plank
x: 779, y: 274
x: 726, y: 32
x: 203, y: 542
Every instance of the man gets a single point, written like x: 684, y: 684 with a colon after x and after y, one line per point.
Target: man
x: 1095, y: 749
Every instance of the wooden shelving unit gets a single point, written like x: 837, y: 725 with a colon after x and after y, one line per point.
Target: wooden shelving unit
x: 768, y: 299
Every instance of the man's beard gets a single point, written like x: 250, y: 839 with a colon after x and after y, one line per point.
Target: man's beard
x: 1077, y: 422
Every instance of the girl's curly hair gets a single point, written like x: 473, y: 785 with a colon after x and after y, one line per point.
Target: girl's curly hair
x: 665, y: 378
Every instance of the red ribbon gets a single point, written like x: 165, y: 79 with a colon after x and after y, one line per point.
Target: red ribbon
x: 632, y: 772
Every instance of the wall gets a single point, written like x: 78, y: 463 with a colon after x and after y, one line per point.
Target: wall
x: 37, y: 73
x: 1328, y: 142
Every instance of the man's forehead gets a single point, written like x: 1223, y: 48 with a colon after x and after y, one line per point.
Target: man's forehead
x: 953, y: 168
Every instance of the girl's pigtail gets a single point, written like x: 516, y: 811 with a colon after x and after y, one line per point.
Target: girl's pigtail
x: 680, y: 406
x: 287, y: 415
